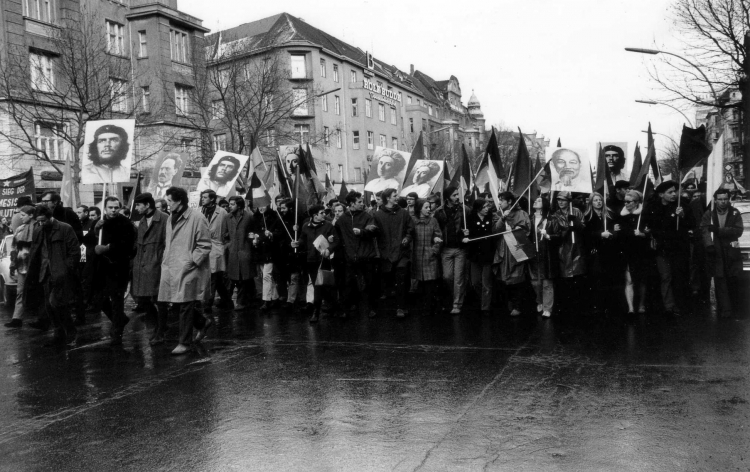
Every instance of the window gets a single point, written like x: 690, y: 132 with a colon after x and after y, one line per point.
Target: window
x: 186, y: 146
x: 42, y: 72
x: 142, y: 46
x: 418, y: 102
x: 324, y: 102
x: 341, y: 172
x: 352, y: 76
x: 270, y: 137
x: 299, y: 70
x: 381, y: 112
x: 370, y: 140
x: 339, y: 144
x: 118, y: 93
x: 179, y: 45
x: 335, y: 73
x: 734, y: 131
x: 328, y: 169
x: 303, y: 131
x: 354, y: 107
x: 181, y: 99
x: 300, y: 99
x: 326, y: 133
x: 408, y: 99
x: 145, y: 99
x: 394, y: 143
x: 41, y: 10
x: 393, y: 115
x: 436, y: 112
x: 217, y: 110
x: 358, y: 174
x: 411, y: 125
x: 368, y: 108
x: 223, y: 78
x: 429, y: 110
x: 322, y: 67
x: 383, y: 141
x: 355, y: 139
x: 49, y: 140
x: 220, y: 142
x: 424, y: 124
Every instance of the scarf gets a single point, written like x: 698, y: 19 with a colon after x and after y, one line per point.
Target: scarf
x: 209, y: 210
x: 178, y: 213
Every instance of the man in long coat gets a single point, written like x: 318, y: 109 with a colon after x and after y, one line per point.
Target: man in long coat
x: 240, y: 270
x: 185, y: 268
x: 219, y: 232
x: 721, y: 228
x: 510, y: 271
x: 150, y: 242
x: 50, y: 280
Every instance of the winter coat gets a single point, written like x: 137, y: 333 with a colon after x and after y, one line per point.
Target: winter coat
x: 310, y: 233
x: 185, y: 268
x: 219, y: 232
x: 359, y: 247
x: 395, y: 225
x: 570, y: 253
x: 722, y: 260
x: 60, y: 268
x: 20, y: 247
x: 636, y: 250
x: 240, y: 249
x: 482, y: 251
x: 451, y: 221
x: 284, y: 255
x: 546, y: 264
x: 70, y: 217
x: 112, y: 268
x: 505, y: 265
x: 425, y: 264
x: 662, y: 222
x: 264, y: 246
x: 603, y: 255
x: 150, y: 243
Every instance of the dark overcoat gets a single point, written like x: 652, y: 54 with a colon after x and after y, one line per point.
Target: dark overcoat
x: 150, y: 243
x: 64, y: 253
x: 725, y: 259
x: 240, y: 248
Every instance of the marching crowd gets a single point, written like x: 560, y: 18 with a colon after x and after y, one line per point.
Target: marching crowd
x: 586, y: 255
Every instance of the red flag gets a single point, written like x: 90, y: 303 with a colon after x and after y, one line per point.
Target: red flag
x: 523, y: 169
x: 417, y: 154
x: 462, y: 173
x: 491, y: 169
x: 637, y: 164
x: 343, y: 192
x: 258, y: 193
x: 602, y: 173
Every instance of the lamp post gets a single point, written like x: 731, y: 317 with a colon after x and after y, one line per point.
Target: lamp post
x: 651, y: 102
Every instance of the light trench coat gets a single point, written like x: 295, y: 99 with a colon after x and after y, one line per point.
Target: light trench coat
x: 188, y: 241
x: 219, y: 232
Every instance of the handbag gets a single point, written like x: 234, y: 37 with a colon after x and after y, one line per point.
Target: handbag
x: 324, y: 278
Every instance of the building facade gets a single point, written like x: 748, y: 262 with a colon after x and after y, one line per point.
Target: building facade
x: 727, y: 121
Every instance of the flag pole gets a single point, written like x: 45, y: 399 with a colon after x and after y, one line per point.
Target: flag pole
x: 492, y: 235
x: 527, y: 187
x: 679, y: 194
x: 463, y: 194
x: 604, y: 209
x: 643, y: 203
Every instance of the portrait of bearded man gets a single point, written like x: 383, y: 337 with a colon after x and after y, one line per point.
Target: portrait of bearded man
x: 108, y: 156
x: 221, y: 175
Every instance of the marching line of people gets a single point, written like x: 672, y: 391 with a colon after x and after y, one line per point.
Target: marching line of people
x: 592, y: 258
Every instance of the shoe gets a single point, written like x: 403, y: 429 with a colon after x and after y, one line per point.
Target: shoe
x: 539, y: 308
x: 156, y: 339
x: 14, y: 323
x: 515, y: 312
x: 546, y: 314
x: 315, y: 316
x: 372, y: 314
x: 641, y: 310
x: 180, y: 349
x: 455, y: 311
x: 40, y: 325
x: 202, y: 332
x: 400, y: 313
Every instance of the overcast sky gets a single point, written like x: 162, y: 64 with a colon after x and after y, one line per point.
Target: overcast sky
x: 551, y: 66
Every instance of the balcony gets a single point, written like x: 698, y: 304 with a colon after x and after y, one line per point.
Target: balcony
x: 301, y: 78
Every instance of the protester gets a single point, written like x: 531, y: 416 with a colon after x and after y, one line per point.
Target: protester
x: 314, y: 228
x: 218, y: 229
x: 19, y: 261
x: 616, y: 200
x: 357, y: 232
x: 4, y: 228
x: 672, y: 243
x: 395, y: 229
x: 454, y: 255
x: 482, y: 251
x: 83, y: 214
x: 700, y: 282
x: 51, y: 278
x: 185, y: 268
x: 338, y: 258
x: 15, y: 220
x: 544, y: 268
x: 636, y: 251
x: 508, y: 270
x: 411, y: 200
x: 62, y: 213
x: 113, y: 250
x: 264, y: 234
x: 721, y: 229
x: 151, y: 235
x: 567, y: 230
x: 240, y: 271
x: 425, y: 267
x: 161, y: 205
x: 603, y: 261
x: 287, y: 261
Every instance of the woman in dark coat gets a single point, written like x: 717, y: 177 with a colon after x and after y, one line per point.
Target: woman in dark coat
x: 265, y: 232
x: 635, y: 244
x: 481, y: 252
x: 544, y: 268
x: 721, y: 228
x: 425, y: 265
x: 566, y: 229
x: 603, y: 262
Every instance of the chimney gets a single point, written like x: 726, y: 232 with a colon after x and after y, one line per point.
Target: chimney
x: 411, y: 69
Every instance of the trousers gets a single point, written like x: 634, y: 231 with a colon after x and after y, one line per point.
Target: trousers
x: 454, y: 273
x: 190, y: 318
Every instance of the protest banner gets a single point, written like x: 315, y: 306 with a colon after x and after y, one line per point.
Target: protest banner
x: 14, y: 187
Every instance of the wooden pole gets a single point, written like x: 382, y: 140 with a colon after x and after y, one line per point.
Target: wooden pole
x: 643, y: 203
x: 679, y: 195
x: 527, y: 187
x: 491, y: 235
x: 461, y: 182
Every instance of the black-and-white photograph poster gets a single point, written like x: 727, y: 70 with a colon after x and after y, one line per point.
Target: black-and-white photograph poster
x: 221, y: 173
x: 422, y: 178
x: 107, y: 153
x: 387, y: 169
x: 571, y: 169
x: 167, y: 172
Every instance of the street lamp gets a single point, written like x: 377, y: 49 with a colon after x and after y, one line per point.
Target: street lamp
x: 660, y: 134
x: 651, y: 102
x: 656, y: 51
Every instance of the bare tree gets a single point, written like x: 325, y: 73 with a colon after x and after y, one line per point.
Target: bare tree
x: 49, y: 98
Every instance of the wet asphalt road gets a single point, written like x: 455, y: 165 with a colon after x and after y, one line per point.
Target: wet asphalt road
x: 271, y: 392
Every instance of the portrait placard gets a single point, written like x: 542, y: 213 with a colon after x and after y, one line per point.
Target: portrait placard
x: 570, y: 168
x: 616, y: 156
x: 422, y: 178
x: 167, y: 172
x: 221, y: 173
x: 387, y: 169
x: 107, y: 152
